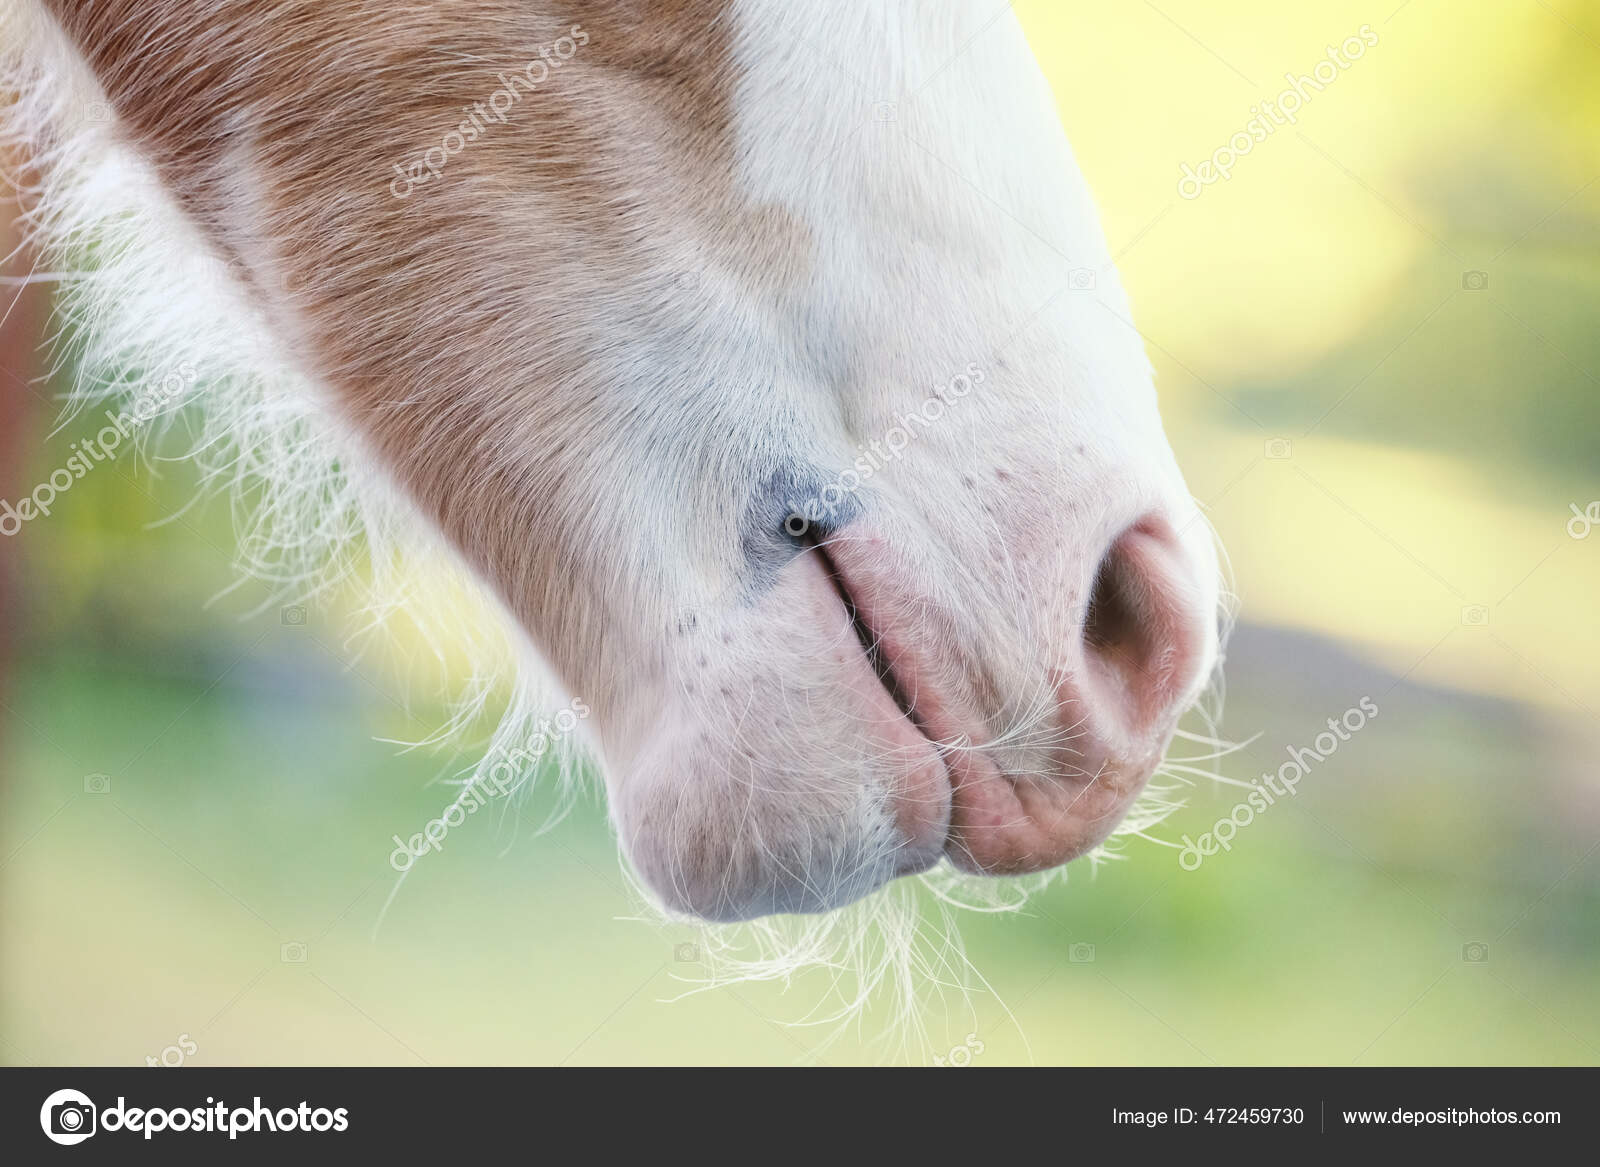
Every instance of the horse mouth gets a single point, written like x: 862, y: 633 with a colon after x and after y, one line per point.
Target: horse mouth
x: 872, y: 645
x: 1117, y: 680
x: 900, y: 669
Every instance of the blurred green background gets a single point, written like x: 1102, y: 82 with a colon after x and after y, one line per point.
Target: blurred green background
x: 197, y: 805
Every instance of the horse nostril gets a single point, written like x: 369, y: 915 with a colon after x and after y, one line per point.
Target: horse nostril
x: 1111, y: 624
x: 1143, y: 636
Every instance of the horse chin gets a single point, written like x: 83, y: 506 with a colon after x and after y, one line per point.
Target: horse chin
x: 781, y: 775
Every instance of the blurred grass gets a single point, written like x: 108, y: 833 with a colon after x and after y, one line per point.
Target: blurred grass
x: 160, y: 908
x: 1437, y: 435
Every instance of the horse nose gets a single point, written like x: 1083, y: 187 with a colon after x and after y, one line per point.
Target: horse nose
x: 1141, y: 648
x: 1145, y: 635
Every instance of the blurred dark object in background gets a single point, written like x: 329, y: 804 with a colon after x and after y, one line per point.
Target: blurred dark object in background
x: 21, y: 317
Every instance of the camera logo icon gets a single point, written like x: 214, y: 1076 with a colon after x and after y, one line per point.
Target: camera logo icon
x: 1475, y: 281
x: 97, y: 784
x: 1475, y: 616
x: 1475, y: 952
x: 1279, y: 449
x: 1082, y: 279
x: 294, y: 952
x: 885, y: 111
x: 686, y: 953
x: 294, y: 616
x: 1081, y: 954
x: 68, y: 1117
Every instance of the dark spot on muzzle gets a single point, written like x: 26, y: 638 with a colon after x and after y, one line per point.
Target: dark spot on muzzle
x: 794, y: 507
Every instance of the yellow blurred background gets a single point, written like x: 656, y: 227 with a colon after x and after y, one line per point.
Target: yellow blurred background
x: 1322, y: 295
x: 1377, y: 354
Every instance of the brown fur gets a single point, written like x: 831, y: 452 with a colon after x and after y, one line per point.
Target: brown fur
x: 406, y: 308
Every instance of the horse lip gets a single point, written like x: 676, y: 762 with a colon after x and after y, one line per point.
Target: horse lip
x: 959, y: 740
x: 890, y: 666
x: 871, y: 640
x: 902, y: 667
